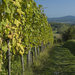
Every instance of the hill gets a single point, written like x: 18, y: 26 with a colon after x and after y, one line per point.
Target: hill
x: 65, y: 19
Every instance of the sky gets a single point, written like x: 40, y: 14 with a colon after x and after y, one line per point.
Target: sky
x: 58, y: 8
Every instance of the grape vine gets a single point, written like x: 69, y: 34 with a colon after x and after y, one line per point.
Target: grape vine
x: 24, y: 24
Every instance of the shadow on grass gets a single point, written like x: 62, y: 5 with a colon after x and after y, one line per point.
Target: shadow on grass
x: 53, y: 62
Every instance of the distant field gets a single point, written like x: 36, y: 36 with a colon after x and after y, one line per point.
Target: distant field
x: 58, y: 36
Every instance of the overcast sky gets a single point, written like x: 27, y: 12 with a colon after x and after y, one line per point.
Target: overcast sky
x: 58, y: 8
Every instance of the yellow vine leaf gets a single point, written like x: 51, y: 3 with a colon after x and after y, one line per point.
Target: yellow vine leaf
x: 20, y: 11
x: 21, y: 52
x: 0, y: 41
x: 17, y: 36
x: 14, y: 41
x: 19, y: 45
x: 10, y: 36
x: 17, y: 22
x: 19, y: 40
x: 16, y: 3
x: 28, y: 5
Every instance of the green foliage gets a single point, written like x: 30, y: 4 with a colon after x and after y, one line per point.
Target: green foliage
x: 70, y: 45
x: 57, y: 60
x: 24, y: 25
x: 69, y: 33
x: 63, y: 28
x: 59, y: 27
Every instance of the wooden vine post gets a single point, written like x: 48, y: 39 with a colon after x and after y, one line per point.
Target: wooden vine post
x: 35, y: 52
x: 38, y: 51
x: 22, y: 63
x: 29, y: 58
x: 9, y: 59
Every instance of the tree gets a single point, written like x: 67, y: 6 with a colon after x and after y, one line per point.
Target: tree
x: 69, y: 33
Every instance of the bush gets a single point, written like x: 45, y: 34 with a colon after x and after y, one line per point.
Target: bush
x: 70, y: 45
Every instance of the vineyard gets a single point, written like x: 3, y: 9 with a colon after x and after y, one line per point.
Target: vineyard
x: 24, y: 33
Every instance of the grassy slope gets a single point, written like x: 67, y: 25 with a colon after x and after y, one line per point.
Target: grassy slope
x: 57, y: 59
x: 70, y: 44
